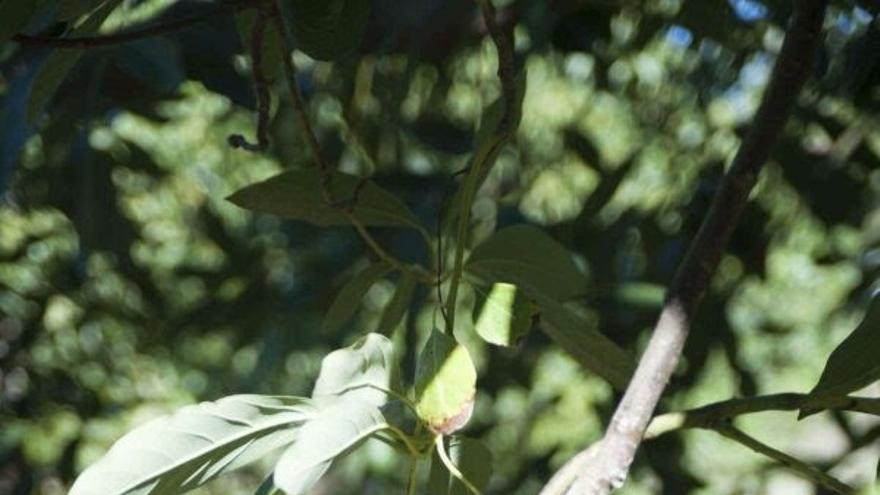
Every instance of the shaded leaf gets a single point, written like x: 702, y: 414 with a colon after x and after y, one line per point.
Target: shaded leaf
x: 527, y: 257
x: 505, y: 316
x: 339, y: 428
x: 297, y: 195
x: 71, y: 10
x: 352, y: 293
x: 14, y: 16
x: 445, y: 384
x: 593, y: 350
x: 397, y: 306
x: 59, y: 63
x: 472, y: 459
x: 346, y: 371
x: 854, y: 364
x: 328, y: 29
x: 270, y: 45
x: 267, y: 487
x: 180, y: 452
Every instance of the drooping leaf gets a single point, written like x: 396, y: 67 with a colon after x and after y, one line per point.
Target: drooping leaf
x: 527, y: 257
x: 347, y: 302
x: 328, y: 29
x: 854, y: 364
x: 14, y: 16
x: 59, y: 63
x: 445, y: 384
x: 593, y: 350
x: 397, y: 306
x: 343, y: 423
x: 506, y: 315
x: 177, y: 453
x: 472, y: 459
x: 297, y: 195
x: 357, y: 370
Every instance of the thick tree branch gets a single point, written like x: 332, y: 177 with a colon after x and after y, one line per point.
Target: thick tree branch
x: 131, y: 35
x: 633, y: 414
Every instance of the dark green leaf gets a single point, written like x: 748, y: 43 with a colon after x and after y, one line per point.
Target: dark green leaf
x: 296, y: 195
x: 177, y: 453
x: 593, y: 350
x: 271, y: 42
x: 472, y: 459
x: 505, y: 316
x: 349, y: 298
x: 59, y: 63
x: 267, y: 487
x: 329, y: 29
x: 339, y: 428
x: 445, y: 384
x: 14, y: 16
x: 397, y: 306
x: 854, y: 364
x: 352, y: 370
x: 527, y: 257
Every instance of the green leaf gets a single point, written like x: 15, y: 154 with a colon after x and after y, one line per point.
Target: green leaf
x: 471, y: 457
x: 640, y: 294
x: 328, y: 29
x: 854, y: 364
x: 15, y: 16
x: 506, y: 315
x: 354, y: 371
x: 297, y: 195
x: 445, y: 384
x: 339, y: 428
x: 352, y: 293
x: 71, y: 10
x: 59, y: 63
x: 593, y: 350
x: 271, y: 42
x: 527, y: 257
x: 397, y: 306
x: 267, y: 487
x: 177, y: 453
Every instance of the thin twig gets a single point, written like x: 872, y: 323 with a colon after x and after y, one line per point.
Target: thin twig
x: 807, y: 471
x: 132, y: 35
x: 261, y: 85
x: 633, y: 414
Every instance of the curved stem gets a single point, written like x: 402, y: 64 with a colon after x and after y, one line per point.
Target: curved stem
x: 453, y: 470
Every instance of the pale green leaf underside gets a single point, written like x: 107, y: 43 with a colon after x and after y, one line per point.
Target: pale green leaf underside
x: 360, y: 371
x: 445, y: 384
x: 177, y: 453
x: 297, y: 195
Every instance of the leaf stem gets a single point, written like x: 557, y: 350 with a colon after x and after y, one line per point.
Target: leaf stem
x: 412, y: 477
x: 453, y: 470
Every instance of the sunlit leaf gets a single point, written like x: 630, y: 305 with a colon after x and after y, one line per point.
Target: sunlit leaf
x: 471, y: 457
x: 506, y: 315
x: 360, y: 371
x: 854, y: 364
x: 445, y: 384
x: 349, y: 298
x: 58, y: 64
x: 593, y: 350
x: 180, y: 452
x: 527, y: 257
x: 339, y: 428
x: 397, y: 306
x: 297, y: 195
x: 328, y: 29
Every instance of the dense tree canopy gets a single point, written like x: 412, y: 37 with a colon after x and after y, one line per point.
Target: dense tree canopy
x: 179, y: 223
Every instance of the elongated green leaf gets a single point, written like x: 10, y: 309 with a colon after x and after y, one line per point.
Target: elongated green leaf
x: 59, y: 63
x: 341, y: 426
x: 71, y: 10
x: 593, y: 350
x: 270, y: 44
x: 329, y: 29
x: 349, y: 298
x: 527, y: 257
x: 297, y: 195
x: 506, y: 315
x: 354, y: 371
x: 14, y: 16
x: 854, y: 363
x: 445, y: 384
x: 472, y: 459
x: 177, y: 453
x: 397, y: 306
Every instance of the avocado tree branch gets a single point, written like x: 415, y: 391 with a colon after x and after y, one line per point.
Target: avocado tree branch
x: 623, y: 436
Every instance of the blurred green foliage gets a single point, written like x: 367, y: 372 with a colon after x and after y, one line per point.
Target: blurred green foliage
x: 129, y: 286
